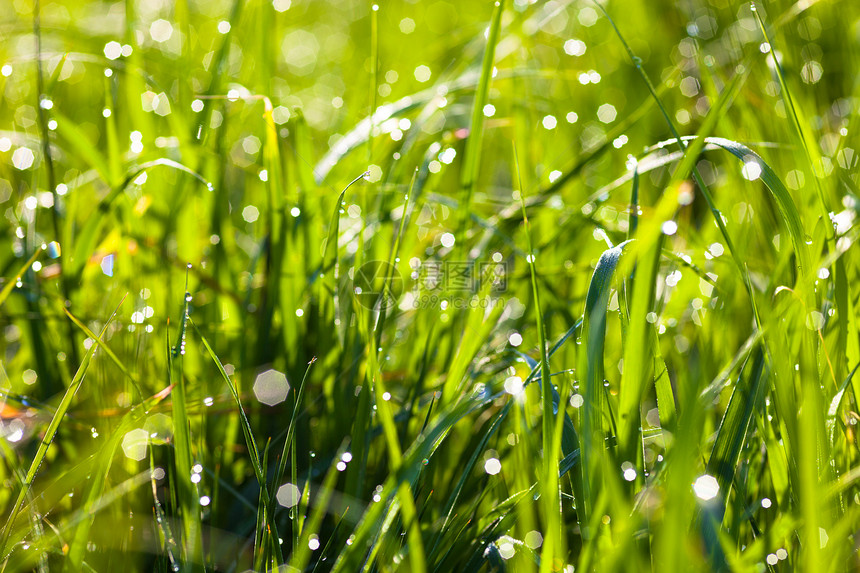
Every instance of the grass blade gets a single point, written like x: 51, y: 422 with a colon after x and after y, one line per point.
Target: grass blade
x: 48, y: 438
x: 12, y: 282
x: 472, y: 160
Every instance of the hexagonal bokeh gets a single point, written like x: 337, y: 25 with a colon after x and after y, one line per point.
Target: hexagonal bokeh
x: 288, y: 495
x: 134, y: 444
x: 271, y: 387
x: 159, y: 427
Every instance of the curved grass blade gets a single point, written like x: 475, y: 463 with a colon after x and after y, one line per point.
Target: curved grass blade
x: 86, y: 239
x: 784, y: 202
x: 630, y: 391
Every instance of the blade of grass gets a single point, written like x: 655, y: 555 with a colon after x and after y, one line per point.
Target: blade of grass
x: 48, y: 438
x: 810, y: 147
x: 784, y: 202
x: 299, y: 559
x: 290, y: 449
x: 187, y: 492
x: 12, y: 282
x: 553, y: 547
x: 95, y: 499
x: 404, y: 494
x: 412, y: 464
x: 747, y: 399
x: 472, y: 154
x: 250, y: 442
x: 119, y: 364
x: 86, y: 239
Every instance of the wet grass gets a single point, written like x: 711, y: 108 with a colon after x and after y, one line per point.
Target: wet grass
x: 312, y: 286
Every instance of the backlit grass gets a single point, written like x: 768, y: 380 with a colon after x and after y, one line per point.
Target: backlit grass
x: 429, y: 286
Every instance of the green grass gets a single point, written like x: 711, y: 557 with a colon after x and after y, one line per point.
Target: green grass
x: 221, y: 343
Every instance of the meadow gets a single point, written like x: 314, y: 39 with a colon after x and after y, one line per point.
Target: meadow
x: 429, y: 286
